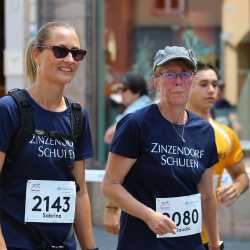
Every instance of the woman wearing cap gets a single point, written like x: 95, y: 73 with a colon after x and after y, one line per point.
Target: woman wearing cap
x: 159, y: 166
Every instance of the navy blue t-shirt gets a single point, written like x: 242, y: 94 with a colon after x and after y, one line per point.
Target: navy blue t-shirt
x: 42, y: 158
x: 165, y: 167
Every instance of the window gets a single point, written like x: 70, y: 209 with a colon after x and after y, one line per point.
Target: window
x: 175, y: 7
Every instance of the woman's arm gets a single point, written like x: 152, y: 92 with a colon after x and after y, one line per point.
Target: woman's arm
x: 209, y: 209
x: 83, y: 222
x: 2, y: 241
x: 116, y: 170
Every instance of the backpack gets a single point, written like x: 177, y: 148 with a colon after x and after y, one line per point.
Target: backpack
x: 26, y: 129
x: 27, y: 125
x: 22, y: 136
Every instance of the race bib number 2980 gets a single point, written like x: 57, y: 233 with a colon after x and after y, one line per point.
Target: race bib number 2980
x: 185, y: 211
x: 50, y: 201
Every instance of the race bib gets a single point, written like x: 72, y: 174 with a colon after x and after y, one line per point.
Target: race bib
x: 50, y: 201
x: 185, y: 211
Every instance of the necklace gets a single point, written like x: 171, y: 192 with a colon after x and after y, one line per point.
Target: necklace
x: 181, y: 136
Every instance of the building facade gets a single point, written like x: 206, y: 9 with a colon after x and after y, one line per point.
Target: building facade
x: 236, y: 49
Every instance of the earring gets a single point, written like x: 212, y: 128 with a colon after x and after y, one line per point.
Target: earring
x: 37, y: 67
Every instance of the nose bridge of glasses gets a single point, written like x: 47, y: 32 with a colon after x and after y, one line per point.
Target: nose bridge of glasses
x: 179, y: 75
x: 68, y: 54
x: 184, y: 75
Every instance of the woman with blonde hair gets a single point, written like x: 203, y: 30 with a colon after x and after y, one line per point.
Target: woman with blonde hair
x: 44, y: 192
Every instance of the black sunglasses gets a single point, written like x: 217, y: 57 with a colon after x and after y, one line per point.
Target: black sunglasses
x: 61, y: 52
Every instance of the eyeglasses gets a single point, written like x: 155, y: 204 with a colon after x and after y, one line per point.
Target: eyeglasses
x: 171, y: 76
x: 61, y: 52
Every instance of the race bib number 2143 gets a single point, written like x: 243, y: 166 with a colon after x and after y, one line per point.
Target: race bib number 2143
x: 50, y: 201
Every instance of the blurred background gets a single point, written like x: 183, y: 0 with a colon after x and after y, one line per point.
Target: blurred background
x: 122, y: 36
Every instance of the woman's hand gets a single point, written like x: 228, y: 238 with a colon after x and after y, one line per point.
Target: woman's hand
x: 111, y: 219
x: 160, y: 224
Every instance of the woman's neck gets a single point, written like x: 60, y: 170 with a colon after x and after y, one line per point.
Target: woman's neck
x: 48, y: 96
x: 176, y: 114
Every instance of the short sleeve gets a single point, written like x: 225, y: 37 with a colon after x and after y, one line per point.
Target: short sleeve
x: 9, y: 121
x: 236, y: 153
x: 85, y: 148
x: 127, y: 139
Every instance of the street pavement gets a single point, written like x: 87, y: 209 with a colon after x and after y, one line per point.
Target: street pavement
x: 104, y: 240
x: 107, y: 241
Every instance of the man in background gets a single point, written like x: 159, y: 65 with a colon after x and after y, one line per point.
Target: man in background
x: 203, y: 96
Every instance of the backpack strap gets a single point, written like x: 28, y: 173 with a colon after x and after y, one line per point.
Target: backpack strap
x: 76, y: 118
x: 23, y: 133
x: 27, y: 124
x: 26, y: 121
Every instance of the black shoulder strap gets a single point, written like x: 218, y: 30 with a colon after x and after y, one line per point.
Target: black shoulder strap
x: 76, y: 117
x: 27, y: 124
x: 26, y: 120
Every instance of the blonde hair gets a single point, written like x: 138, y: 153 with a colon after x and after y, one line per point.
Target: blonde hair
x: 30, y: 64
x: 42, y: 36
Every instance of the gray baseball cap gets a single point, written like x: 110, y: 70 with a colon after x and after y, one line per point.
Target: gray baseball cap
x: 170, y: 53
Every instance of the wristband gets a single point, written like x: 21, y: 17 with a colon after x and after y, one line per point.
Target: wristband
x: 109, y: 207
x: 221, y: 246
x: 92, y: 248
